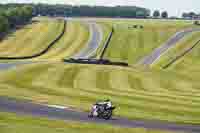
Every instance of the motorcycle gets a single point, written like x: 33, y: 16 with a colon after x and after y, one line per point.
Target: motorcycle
x: 102, y: 111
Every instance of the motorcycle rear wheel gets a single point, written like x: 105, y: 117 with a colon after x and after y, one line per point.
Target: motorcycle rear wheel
x: 107, y: 115
x: 90, y: 115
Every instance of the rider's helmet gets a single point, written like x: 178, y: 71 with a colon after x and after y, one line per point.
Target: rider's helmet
x: 107, y: 100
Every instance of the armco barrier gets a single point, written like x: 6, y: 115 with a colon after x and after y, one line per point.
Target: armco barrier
x: 43, y: 51
x: 107, y: 43
x: 180, y: 56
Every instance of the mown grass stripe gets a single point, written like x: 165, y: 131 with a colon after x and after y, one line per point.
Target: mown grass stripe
x: 7, y: 45
x: 60, y: 50
x: 102, y: 79
x: 42, y: 51
x: 54, y: 29
x: 68, y: 77
x: 119, y: 80
x: 142, y: 99
x: 89, y: 82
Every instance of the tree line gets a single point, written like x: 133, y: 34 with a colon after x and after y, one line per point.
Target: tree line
x: 158, y: 14
x: 91, y: 11
x: 185, y: 15
x: 11, y: 16
x: 190, y: 15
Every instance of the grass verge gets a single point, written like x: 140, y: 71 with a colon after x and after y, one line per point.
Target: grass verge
x: 11, y: 123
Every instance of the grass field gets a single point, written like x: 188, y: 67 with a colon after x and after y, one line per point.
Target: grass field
x: 146, y: 94
x: 187, y: 65
x: 74, y: 39
x: 130, y: 44
x: 10, y: 123
x: 31, y: 39
x: 172, y: 95
x: 35, y: 37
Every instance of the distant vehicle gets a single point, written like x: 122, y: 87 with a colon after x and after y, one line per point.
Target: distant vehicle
x: 95, y: 61
x: 135, y: 26
x: 102, y: 110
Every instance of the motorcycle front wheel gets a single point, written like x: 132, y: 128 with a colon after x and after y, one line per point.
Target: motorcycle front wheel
x: 107, y: 115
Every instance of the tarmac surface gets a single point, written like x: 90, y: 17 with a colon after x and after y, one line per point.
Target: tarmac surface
x: 156, y: 54
x: 21, y: 107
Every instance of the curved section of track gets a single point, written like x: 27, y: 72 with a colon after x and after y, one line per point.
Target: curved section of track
x: 93, y: 43
x: 90, y: 49
x: 150, y: 59
x: 24, y: 107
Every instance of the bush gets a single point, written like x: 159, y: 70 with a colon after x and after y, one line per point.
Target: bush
x: 10, y: 17
x: 196, y: 22
x: 4, y: 24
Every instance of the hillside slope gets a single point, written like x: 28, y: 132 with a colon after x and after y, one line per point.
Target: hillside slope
x: 132, y: 44
x: 147, y: 95
x: 31, y: 39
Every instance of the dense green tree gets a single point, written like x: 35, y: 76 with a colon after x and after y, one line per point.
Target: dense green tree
x: 4, y: 24
x: 91, y: 11
x: 17, y: 14
x: 12, y: 15
x: 156, y: 14
x: 164, y: 14
x: 185, y: 15
x: 190, y: 15
x: 27, y: 12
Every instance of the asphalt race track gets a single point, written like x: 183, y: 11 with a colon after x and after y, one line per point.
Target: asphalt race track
x: 24, y: 107
x: 150, y: 59
x: 93, y: 43
x: 91, y: 47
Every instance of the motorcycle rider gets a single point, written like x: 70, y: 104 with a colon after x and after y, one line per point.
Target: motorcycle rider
x: 101, y: 106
